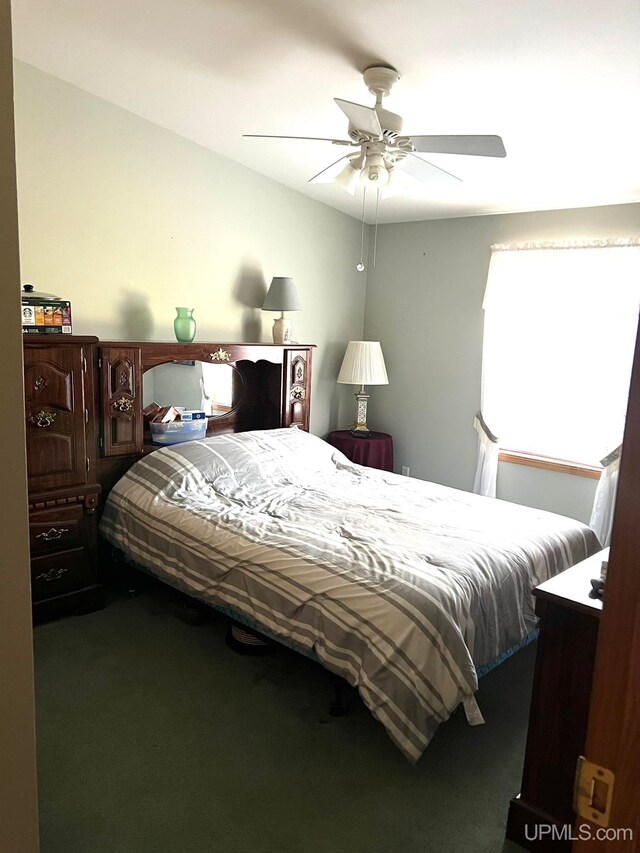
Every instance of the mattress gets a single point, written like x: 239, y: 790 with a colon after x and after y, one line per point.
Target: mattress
x: 403, y: 587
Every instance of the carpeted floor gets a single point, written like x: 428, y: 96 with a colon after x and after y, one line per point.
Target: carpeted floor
x: 154, y: 737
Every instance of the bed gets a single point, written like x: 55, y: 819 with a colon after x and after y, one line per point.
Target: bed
x: 405, y: 588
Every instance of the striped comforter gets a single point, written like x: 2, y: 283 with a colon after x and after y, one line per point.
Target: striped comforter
x: 401, y: 586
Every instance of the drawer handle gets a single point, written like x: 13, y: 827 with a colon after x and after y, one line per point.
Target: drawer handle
x: 123, y: 405
x: 51, y: 575
x: 43, y: 419
x: 53, y: 533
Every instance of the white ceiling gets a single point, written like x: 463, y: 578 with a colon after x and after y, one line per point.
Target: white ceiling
x: 559, y: 80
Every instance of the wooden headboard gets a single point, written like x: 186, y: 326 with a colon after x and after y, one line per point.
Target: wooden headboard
x: 276, y: 392
x: 84, y: 429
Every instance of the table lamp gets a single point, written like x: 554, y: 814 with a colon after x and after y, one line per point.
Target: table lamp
x: 282, y: 296
x: 363, y: 364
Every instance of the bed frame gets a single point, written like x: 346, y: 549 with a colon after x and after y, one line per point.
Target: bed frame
x: 276, y: 392
x: 257, y: 640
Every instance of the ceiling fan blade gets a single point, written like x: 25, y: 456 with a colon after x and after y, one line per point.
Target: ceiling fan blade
x: 410, y: 164
x: 327, y: 175
x: 362, y: 118
x: 307, y: 138
x: 482, y: 146
x: 401, y: 181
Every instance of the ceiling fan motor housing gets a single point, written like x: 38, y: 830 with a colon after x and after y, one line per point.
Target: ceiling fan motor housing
x: 390, y: 123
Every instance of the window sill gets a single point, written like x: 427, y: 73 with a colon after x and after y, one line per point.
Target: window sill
x: 518, y: 457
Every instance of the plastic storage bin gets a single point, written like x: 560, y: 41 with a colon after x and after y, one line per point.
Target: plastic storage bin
x: 178, y: 431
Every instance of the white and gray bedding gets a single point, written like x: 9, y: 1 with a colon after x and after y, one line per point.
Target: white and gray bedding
x: 401, y: 586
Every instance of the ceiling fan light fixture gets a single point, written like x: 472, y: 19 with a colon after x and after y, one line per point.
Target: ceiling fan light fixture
x: 375, y: 172
x: 348, y: 178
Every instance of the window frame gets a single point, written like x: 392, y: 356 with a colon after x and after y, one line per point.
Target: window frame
x: 562, y: 466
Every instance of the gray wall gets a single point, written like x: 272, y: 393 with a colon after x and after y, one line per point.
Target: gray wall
x: 128, y: 220
x: 424, y: 303
x: 18, y: 802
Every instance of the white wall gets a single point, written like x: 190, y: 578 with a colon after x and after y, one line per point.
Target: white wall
x: 128, y: 220
x: 424, y: 303
x: 18, y: 801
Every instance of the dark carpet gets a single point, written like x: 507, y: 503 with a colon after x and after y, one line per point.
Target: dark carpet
x: 154, y: 737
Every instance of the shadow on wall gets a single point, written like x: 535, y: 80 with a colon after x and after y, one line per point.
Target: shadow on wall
x: 250, y: 290
x: 137, y: 319
x: 328, y: 367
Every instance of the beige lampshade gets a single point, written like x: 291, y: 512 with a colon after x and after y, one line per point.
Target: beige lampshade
x: 363, y: 364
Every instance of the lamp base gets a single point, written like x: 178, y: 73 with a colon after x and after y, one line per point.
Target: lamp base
x: 282, y: 330
x: 360, y: 428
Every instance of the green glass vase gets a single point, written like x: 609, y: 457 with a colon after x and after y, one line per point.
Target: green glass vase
x: 184, y: 325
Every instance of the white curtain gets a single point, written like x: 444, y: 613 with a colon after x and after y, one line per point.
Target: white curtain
x: 560, y: 321
x: 605, y: 498
x: 488, y: 452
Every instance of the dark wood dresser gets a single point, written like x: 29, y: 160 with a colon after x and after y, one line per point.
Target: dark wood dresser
x: 541, y: 817
x: 85, y: 429
x: 61, y: 473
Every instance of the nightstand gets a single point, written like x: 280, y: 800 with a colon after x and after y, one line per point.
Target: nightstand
x: 375, y: 451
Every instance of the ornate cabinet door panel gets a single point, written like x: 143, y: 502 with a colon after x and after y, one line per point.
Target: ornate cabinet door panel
x: 297, y: 388
x: 121, y: 384
x: 56, y: 416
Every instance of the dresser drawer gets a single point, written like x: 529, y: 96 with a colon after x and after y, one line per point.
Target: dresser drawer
x: 57, y: 529
x: 60, y: 573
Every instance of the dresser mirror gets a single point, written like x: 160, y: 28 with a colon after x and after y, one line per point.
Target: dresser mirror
x: 217, y: 389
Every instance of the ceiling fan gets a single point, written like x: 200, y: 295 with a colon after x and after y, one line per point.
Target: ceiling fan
x: 384, y: 158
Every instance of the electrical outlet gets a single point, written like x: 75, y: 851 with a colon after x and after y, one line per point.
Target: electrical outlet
x: 405, y: 470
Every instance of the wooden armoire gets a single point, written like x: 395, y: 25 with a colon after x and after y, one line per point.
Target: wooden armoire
x: 61, y: 473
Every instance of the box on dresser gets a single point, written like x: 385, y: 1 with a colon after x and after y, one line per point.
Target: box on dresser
x: 44, y: 313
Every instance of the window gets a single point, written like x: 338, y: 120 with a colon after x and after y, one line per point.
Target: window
x: 559, y: 333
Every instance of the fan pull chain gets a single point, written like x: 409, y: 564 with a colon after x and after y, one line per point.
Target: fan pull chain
x: 375, y: 231
x: 360, y: 265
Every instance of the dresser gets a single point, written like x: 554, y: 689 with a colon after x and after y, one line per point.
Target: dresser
x: 85, y: 427
x: 569, y: 621
x: 61, y: 473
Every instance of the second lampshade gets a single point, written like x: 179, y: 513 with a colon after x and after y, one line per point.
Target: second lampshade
x: 282, y: 296
x: 363, y: 364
